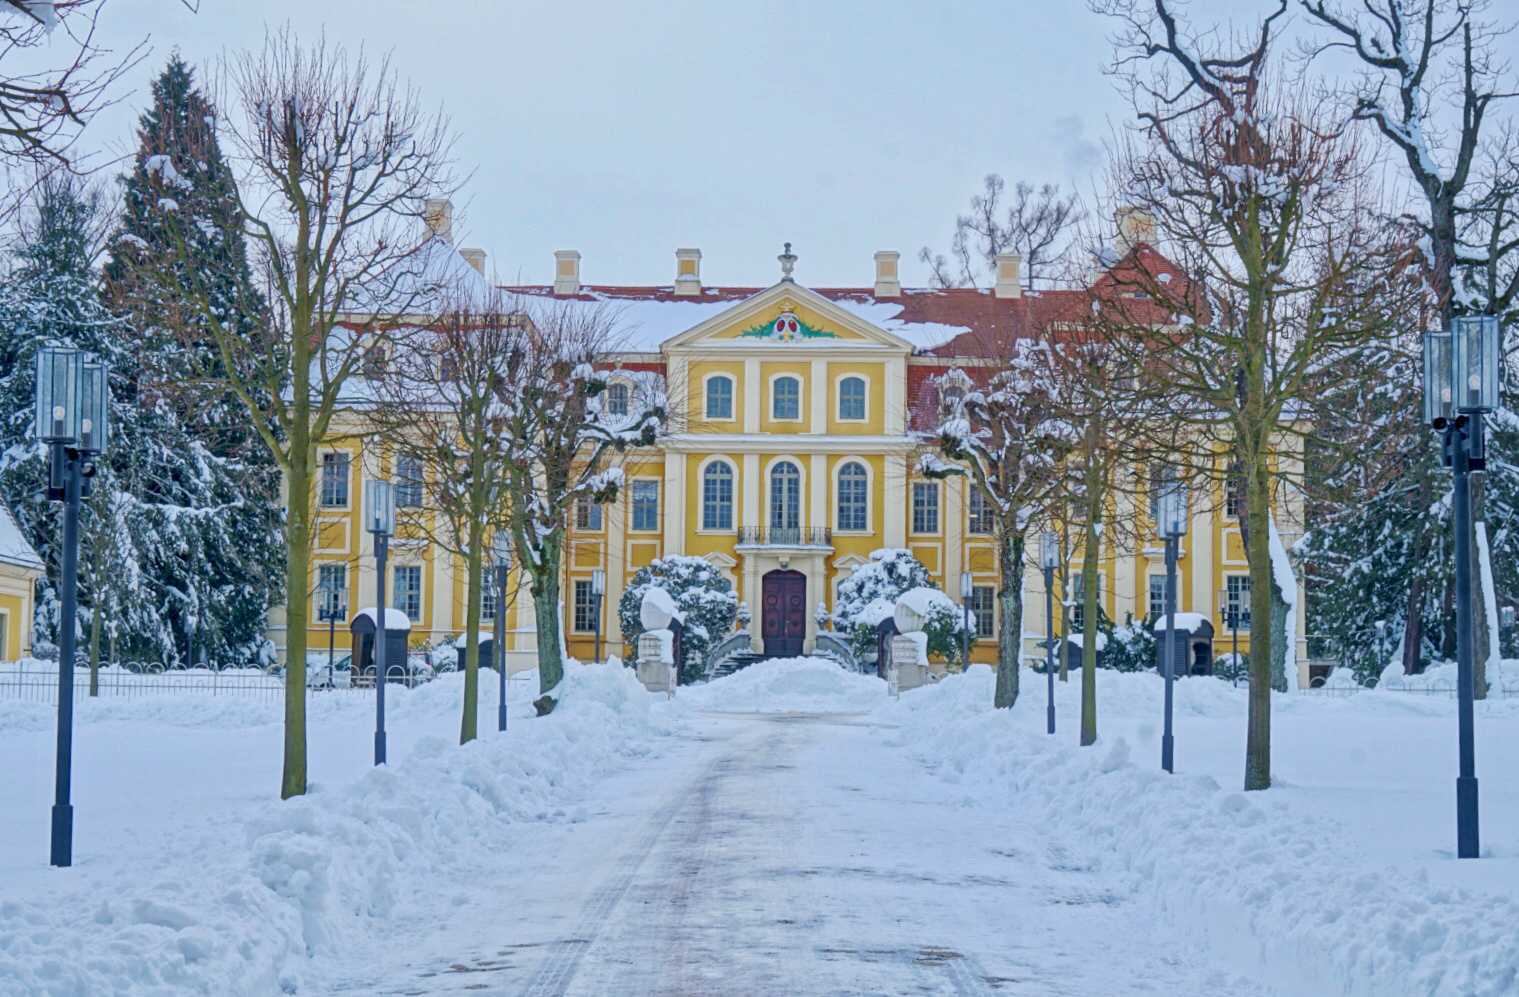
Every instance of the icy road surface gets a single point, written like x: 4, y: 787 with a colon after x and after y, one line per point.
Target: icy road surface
x: 793, y: 854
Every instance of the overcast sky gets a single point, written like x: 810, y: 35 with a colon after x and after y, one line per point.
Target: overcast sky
x: 625, y: 129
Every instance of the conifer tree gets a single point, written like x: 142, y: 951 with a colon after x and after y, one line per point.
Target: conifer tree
x: 206, y: 487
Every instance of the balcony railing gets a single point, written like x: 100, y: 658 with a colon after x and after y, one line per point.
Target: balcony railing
x: 785, y: 536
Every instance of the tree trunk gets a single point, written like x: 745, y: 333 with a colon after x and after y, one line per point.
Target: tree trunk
x: 95, y: 648
x: 1089, y: 608
x: 1481, y: 646
x: 546, y: 614
x: 469, y: 724
x: 1010, y: 626
x: 297, y: 567
x: 1258, y: 554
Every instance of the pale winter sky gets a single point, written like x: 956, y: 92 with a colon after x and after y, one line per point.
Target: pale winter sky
x: 625, y: 129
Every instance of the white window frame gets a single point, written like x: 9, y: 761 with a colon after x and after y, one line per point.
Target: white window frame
x: 912, y: 509
x: 838, y: 493
x: 706, y: 397
x: 801, y: 397
x: 701, y: 478
x: 633, y: 505
x: 801, y: 491
x: 838, y: 395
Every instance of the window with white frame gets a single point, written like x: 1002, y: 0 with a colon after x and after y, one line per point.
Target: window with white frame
x: 587, y: 513
x: 1234, y: 493
x: 925, y: 507
x: 408, y: 590
x: 331, y: 590
x: 719, y: 397
x: 979, y: 512
x: 717, y: 497
x: 408, y: 482
x: 488, y: 600
x: 617, y: 399
x: 854, y: 497
x: 335, y: 479
x: 785, y: 496
x: 983, y: 608
x: 585, y: 607
x: 786, y: 398
x: 852, y: 399
x: 1157, y: 597
x: 1237, y: 589
x: 645, y: 498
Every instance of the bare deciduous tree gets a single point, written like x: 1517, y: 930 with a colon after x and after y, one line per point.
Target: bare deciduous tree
x: 334, y: 158
x: 1035, y: 222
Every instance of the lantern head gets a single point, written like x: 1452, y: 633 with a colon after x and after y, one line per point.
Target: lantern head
x: 379, y: 507
x: 1476, y: 351
x: 58, y: 390
x: 94, y: 406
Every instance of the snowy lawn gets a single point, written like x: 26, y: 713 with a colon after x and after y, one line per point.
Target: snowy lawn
x: 190, y: 876
x: 1340, y: 880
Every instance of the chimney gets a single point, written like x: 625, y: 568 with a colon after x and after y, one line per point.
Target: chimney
x: 567, y: 272
x: 439, y: 214
x: 688, y: 271
x: 1009, y: 284
x: 887, y: 284
x: 475, y: 258
x: 1135, y: 226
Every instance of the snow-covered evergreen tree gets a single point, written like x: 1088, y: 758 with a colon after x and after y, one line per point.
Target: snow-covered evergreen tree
x: 700, y: 592
x: 208, y: 492
x: 870, y: 594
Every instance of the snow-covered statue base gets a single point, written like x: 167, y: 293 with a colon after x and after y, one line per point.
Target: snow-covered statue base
x: 655, y: 666
x: 909, y: 648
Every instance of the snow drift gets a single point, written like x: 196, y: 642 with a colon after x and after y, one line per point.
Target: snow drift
x: 788, y: 685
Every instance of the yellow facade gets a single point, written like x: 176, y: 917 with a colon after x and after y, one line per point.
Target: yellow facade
x: 782, y: 392
x: 20, y: 567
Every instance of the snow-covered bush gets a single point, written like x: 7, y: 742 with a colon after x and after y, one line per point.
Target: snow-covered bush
x: 1231, y: 666
x: 702, y: 595
x: 1131, y: 647
x: 869, y: 595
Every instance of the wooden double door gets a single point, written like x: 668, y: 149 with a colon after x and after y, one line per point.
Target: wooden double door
x: 783, y: 613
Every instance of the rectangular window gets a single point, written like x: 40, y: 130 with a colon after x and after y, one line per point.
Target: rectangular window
x: 1234, y: 492
x: 585, y: 607
x: 587, y: 513
x: 408, y: 482
x: 852, y: 399
x: 717, y: 497
x: 488, y: 598
x: 335, y: 480
x: 645, y: 505
x: 719, y: 398
x: 331, y: 591
x: 983, y: 607
x: 980, y: 519
x: 408, y: 597
x: 1238, y: 602
x: 1157, y: 597
x: 925, y: 507
x: 617, y: 399
x: 1078, y: 599
x: 787, y: 398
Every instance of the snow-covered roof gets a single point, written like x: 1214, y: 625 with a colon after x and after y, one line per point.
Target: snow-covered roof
x: 462, y: 640
x: 394, y: 618
x: 432, y: 278
x: 1080, y: 640
x: 14, y: 548
x: 1190, y: 622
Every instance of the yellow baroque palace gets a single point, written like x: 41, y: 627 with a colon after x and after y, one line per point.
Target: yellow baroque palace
x: 790, y: 455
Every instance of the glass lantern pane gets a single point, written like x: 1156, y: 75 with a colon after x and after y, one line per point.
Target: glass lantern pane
x: 1048, y: 548
x: 1476, y: 347
x: 94, y: 405
x: 501, y: 548
x: 1437, y: 376
x: 379, y: 507
x: 57, y: 415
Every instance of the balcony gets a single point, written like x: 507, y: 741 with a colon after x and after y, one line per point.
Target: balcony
x: 785, y: 536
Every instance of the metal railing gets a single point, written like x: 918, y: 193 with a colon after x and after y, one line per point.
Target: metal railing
x: 785, y: 536
x: 1416, y: 685
x: 36, y: 681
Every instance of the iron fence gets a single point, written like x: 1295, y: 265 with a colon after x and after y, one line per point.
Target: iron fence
x: 36, y: 681
x: 1418, y: 685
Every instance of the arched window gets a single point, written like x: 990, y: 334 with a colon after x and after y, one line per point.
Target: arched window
x: 786, y: 398
x: 852, y: 398
x: 719, y: 397
x: 854, y: 488
x: 717, y: 497
x: 617, y: 399
x: 785, y: 497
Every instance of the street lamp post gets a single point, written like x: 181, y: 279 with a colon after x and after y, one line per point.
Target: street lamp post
x: 967, y: 580
x: 598, y: 589
x: 379, y: 520
x: 72, y: 419
x: 1460, y: 384
x: 501, y: 550
x: 1049, y: 552
x: 1171, y: 509
x: 1229, y: 613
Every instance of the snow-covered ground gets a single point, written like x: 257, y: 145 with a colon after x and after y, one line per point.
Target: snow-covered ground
x: 787, y: 830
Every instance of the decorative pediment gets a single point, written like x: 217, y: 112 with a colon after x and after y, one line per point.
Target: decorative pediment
x: 786, y: 316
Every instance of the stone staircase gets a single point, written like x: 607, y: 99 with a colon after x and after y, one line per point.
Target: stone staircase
x: 733, y: 662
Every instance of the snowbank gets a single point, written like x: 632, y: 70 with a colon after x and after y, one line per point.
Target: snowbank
x: 237, y: 907
x: 788, y: 685
x: 1280, y: 895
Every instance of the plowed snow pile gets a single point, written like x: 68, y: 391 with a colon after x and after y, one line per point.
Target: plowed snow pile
x: 789, y: 685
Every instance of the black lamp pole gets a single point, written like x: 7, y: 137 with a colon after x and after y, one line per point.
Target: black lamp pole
x: 67, y: 464
x: 598, y: 589
x: 380, y: 517
x: 1048, y: 553
x: 1167, y: 739
x: 501, y: 549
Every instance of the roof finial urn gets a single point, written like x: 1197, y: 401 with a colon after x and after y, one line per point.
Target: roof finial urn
x: 788, y: 262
